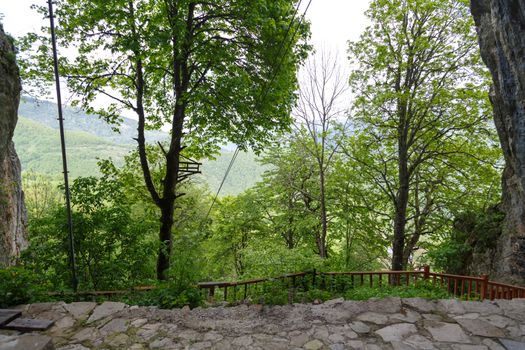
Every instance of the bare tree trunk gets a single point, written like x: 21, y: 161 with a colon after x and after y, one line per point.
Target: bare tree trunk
x: 324, y: 223
x: 317, y: 113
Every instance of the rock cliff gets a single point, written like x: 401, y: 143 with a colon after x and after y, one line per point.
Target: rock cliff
x: 13, y: 218
x: 501, y: 29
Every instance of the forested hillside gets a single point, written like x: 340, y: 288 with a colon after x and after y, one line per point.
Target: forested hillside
x: 90, y: 139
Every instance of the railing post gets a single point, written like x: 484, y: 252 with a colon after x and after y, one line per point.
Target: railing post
x: 426, y: 272
x: 484, y: 286
x: 313, y: 278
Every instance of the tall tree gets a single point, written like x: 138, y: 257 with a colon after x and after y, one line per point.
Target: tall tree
x: 211, y: 71
x: 420, y: 103
x: 320, y: 108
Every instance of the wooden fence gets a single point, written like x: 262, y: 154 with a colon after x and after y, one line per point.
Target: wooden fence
x: 466, y: 287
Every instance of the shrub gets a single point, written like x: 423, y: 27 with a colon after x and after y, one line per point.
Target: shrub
x: 19, y: 286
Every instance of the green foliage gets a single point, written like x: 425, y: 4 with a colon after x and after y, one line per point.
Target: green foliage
x: 112, y: 238
x: 421, y: 290
x: 38, y: 146
x: 232, y: 51
x: 167, y: 295
x: 20, y: 286
x: 423, y: 138
x: 39, y: 149
x: 472, y: 231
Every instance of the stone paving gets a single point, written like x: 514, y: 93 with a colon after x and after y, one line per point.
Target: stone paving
x: 391, y: 323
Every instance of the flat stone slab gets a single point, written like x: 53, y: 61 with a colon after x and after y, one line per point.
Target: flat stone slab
x: 481, y: 328
x: 105, y: 309
x: 7, y: 316
x: 447, y: 332
x: 28, y: 325
x: 396, y: 332
x: 28, y: 342
x: 512, y: 344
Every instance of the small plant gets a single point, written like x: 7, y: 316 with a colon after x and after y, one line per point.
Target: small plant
x: 19, y: 286
x: 421, y: 290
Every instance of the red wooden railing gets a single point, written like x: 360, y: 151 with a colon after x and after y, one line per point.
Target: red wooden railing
x: 467, y: 287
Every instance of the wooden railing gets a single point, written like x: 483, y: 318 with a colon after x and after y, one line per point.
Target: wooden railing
x: 466, y: 287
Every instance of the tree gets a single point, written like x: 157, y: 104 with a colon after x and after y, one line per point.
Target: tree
x: 320, y: 108
x: 212, y: 71
x: 421, y: 103
x: 289, y: 194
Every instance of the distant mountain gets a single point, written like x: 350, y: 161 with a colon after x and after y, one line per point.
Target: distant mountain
x: 88, y: 138
x: 45, y: 112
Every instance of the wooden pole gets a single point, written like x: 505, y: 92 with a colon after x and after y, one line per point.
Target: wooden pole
x: 72, y: 262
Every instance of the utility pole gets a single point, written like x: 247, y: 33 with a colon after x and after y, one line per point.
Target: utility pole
x: 72, y: 263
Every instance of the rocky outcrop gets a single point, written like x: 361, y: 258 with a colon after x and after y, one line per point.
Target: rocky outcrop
x: 13, y: 218
x: 501, y: 26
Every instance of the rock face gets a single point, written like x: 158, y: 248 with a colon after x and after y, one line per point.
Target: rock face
x: 13, y: 218
x: 500, y: 25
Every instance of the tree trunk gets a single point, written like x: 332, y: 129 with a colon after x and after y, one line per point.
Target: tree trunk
x: 398, y: 244
x: 501, y: 27
x: 324, y: 224
x: 163, y: 259
x: 401, y: 200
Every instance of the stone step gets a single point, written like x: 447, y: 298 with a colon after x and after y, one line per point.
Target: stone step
x: 7, y: 316
x: 28, y: 325
x: 26, y: 342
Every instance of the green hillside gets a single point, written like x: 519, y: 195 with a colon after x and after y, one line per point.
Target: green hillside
x: 245, y: 172
x: 38, y: 146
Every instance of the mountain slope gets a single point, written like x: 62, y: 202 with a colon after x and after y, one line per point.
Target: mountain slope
x: 39, y: 148
x: 89, y: 139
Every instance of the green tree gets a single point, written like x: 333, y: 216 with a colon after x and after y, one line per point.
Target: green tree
x: 237, y: 222
x: 421, y: 103
x: 212, y: 71
x: 289, y: 194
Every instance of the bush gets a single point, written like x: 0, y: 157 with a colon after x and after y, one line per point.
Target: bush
x: 167, y: 295
x: 19, y: 286
x: 472, y: 232
x: 421, y: 290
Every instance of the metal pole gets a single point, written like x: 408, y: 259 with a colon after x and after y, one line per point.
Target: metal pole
x: 73, y: 266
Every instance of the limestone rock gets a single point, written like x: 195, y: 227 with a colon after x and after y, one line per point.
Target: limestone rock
x: 481, y: 328
x: 512, y: 345
x: 28, y: 341
x: 447, y: 332
x: 105, y: 309
x: 313, y: 345
x: 13, y: 216
x: 500, y: 26
x: 80, y: 310
x: 396, y: 332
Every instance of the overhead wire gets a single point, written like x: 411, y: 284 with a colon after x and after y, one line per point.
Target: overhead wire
x: 264, y: 92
